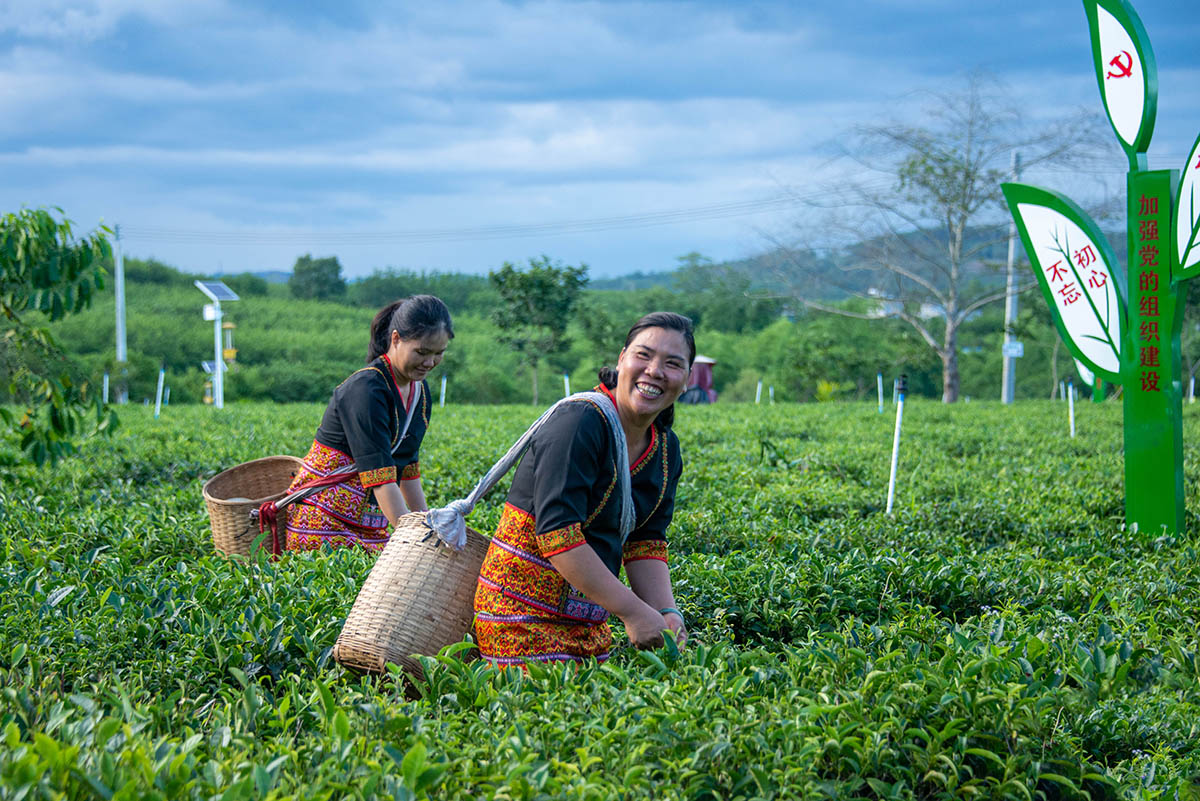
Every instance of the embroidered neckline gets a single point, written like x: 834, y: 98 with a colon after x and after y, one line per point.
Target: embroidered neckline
x: 637, y: 464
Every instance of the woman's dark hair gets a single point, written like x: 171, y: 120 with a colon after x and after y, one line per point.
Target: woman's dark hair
x: 668, y: 320
x: 412, y: 318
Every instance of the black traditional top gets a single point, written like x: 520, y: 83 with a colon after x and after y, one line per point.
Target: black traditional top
x: 364, y: 419
x: 567, y: 481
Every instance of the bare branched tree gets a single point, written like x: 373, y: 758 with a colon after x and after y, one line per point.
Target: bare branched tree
x: 918, y: 232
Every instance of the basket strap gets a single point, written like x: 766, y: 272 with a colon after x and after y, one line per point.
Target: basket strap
x: 450, y: 521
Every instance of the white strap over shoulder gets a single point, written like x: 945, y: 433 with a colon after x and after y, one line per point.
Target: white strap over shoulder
x: 449, y: 522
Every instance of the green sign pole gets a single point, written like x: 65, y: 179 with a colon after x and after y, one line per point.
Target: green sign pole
x: 1128, y: 333
x: 1154, y: 391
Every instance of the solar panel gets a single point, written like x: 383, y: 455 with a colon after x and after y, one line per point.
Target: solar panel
x: 216, y: 290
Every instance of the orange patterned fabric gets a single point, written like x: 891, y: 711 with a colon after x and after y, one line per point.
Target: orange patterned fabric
x: 342, y: 515
x: 644, y: 549
x: 410, y: 472
x: 375, y: 478
x: 508, y: 634
x: 524, y: 608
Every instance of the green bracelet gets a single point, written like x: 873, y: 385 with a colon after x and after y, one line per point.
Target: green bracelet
x: 673, y: 610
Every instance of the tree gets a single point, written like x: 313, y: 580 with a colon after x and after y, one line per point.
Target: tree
x: 44, y: 270
x: 535, y: 307
x: 929, y: 218
x: 317, y: 279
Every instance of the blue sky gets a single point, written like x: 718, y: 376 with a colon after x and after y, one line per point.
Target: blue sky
x: 228, y: 136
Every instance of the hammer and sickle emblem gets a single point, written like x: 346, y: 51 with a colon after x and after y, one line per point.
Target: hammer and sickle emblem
x: 1123, y: 69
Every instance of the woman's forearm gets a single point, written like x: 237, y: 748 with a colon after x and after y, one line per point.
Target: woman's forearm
x: 582, y: 568
x: 391, y: 502
x: 414, y: 495
x: 651, y: 581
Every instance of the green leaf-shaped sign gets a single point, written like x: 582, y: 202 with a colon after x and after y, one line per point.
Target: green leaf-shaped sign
x: 1075, y: 267
x: 1126, y: 72
x: 1187, y: 219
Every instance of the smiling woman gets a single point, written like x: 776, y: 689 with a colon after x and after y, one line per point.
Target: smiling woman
x: 550, y: 578
x: 365, y: 455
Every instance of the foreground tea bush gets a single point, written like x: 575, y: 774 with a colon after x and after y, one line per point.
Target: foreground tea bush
x: 1001, y: 636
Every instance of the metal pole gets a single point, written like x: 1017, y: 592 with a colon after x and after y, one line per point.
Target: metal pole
x: 122, y: 352
x: 879, y: 386
x: 443, y: 401
x: 566, y: 385
x: 158, y: 393
x: 218, y: 359
x: 106, y: 386
x: 758, y: 392
x: 901, y: 388
x: 166, y: 396
x: 771, y: 394
x: 1071, y: 406
x: 1008, y: 376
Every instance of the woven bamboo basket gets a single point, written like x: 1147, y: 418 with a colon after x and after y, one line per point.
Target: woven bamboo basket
x: 418, y: 598
x: 231, y: 496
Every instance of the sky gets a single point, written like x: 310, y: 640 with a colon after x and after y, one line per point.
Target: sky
x: 454, y: 136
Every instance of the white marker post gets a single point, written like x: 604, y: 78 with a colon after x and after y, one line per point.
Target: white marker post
x: 771, y: 394
x: 895, y: 389
x: 879, y: 386
x: 566, y: 385
x: 758, y: 392
x: 443, y: 401
x: 901, y: 388
x: 1191, y: 390
x: 158, y: 393
x: 1062, y: 391
x: 1071, y: 406
x: 166, y: 396
x: 106, y: 387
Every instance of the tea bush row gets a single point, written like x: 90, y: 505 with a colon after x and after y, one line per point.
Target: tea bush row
x: 1002, y: 635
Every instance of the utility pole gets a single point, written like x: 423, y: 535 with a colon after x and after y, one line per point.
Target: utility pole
x: 122, y: 356
x: 1011, y: 346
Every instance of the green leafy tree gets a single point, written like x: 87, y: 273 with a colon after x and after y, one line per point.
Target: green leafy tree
x: 317, y: 279
x: 535, y: 307
x: 45, y: 271
x: 719, y: 297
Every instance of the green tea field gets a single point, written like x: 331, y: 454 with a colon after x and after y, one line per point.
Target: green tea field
x: 1002, y: 635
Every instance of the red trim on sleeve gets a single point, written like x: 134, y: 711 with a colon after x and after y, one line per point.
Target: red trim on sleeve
x: 378, y: 477
x: 644, y: 549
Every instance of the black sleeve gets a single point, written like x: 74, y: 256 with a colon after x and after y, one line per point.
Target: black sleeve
x: 366, y: 411
x: 568, y: 452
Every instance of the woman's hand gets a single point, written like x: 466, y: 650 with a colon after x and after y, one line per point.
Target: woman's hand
x: 645, y: 627
x: 674, y: 622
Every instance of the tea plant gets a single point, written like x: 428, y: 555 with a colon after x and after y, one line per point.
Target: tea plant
x: 1002, y: 636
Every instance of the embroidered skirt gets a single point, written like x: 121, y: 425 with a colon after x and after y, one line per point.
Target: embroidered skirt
x: 342, y: 515
x: 525, y: 610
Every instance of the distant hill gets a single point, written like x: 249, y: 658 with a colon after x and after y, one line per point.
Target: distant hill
x: 634, y: 281
x: 273, y: 276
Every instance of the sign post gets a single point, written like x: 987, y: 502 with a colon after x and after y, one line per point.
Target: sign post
x: 1126, y: 331
x: 901, y: 389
